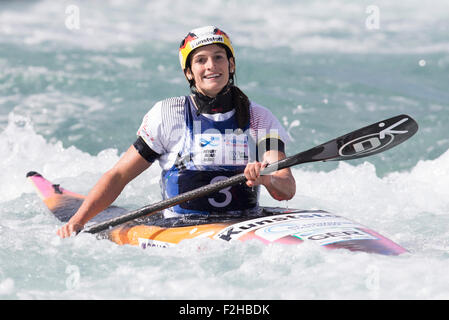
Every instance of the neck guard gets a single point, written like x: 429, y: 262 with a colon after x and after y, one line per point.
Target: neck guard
x: 220, y: 104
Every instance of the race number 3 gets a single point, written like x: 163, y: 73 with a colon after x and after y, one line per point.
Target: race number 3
x: 225, y: 191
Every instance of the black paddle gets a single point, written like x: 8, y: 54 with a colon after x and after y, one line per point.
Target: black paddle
x: 367, y: 141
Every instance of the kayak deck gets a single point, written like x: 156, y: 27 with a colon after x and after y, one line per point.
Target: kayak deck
x: 270, y: 225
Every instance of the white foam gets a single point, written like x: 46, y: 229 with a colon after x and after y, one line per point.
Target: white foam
x: 6, y: 286
x: 410, y: 207
x: 359, y: 188
x: 23, y: 150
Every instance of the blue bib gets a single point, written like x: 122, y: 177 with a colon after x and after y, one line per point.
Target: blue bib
x: 212, y: 151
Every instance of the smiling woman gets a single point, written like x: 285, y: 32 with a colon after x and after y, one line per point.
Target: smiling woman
x: 199, y: 139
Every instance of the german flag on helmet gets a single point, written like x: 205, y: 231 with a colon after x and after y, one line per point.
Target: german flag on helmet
x: 202, y: 37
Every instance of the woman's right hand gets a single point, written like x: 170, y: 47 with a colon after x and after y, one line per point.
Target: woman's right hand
x: 70, y: 228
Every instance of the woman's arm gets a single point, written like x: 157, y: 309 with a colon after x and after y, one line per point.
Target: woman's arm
x: 106, y: 190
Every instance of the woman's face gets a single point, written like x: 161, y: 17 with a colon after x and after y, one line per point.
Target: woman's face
x: 210, y: 68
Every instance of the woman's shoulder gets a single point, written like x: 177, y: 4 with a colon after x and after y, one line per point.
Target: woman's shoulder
x: 162, y: 118
x: 167, y: 106
x: 261, y: 118
x: 259, y: 112
x: 171, y: 102
x: 256, y: 107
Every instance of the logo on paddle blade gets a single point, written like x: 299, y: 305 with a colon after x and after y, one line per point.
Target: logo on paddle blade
x: 372, y: 142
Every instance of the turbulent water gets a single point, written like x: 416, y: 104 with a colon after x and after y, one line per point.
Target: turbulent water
x: 78, y: 76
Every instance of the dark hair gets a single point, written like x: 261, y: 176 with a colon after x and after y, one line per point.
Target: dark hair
x: 241, y: 103
x: 239, y: 99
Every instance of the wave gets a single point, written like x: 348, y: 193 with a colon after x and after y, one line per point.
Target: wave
x: 327, y: 26
x: 409, y: 207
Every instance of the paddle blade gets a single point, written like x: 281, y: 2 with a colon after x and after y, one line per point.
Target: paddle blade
x: 375, y: 138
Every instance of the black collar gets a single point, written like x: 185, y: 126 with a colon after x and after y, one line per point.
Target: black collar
x: 220, y: 104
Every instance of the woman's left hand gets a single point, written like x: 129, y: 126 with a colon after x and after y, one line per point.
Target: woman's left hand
x: 280, y: 184
x: 252, y: 173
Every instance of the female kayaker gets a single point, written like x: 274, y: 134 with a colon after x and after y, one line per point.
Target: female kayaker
x: 214, y: 133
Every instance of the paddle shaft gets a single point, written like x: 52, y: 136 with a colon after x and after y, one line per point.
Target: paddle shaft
x: 366, y: 141
x: 168, y: 203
